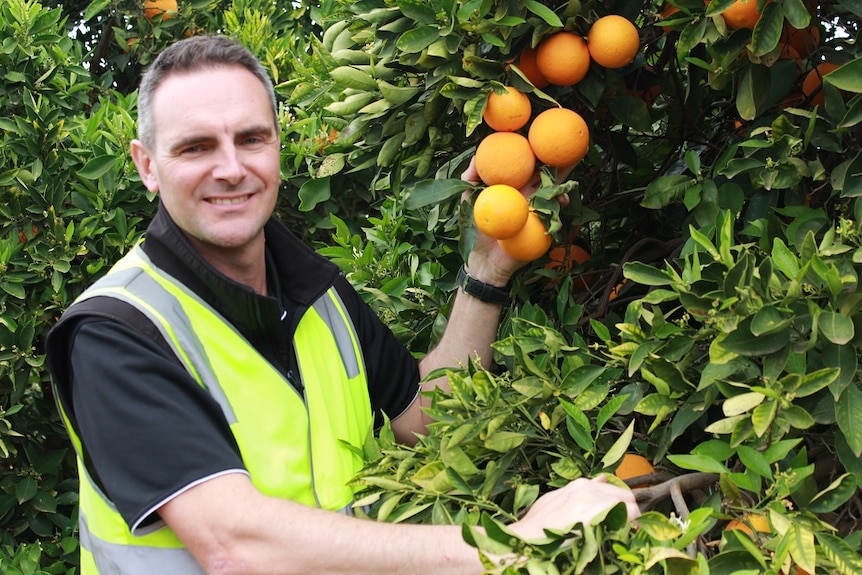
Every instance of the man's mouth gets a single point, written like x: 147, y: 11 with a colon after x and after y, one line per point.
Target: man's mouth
x: 228, y: 201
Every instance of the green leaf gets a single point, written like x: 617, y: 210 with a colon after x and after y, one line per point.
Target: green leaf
x: 691, y: 35
x: 835, y: 495
x: 417, y: 11
x: 352, y: 77
x: 767, y: 31
x: 313, y: 192
x: 769, y: 319
x: 98, y: 166
x: 457, y: 459
x: 746, y: 105
x: 743, y: 342
x: 800, y: 544
x: 811, y: 383
x: 763, y: 416
x: 841, y: 555
x: 848, y: 416
x: 784, y: 259
x: 848, y: 77
x: 659, y: 526
x: 645, y: 274
x: 504, y: 441
x: 796, y: 13
x: 416, y: 40
x: 754, y: 461
x: 95, y: 7
x: 742, y: 403
x: 836, y: 327
x: 666, y: 189
x: 698, y: 463
x: 433, y: 192
x: 543, y: 12
x: 620, y: 446
x: 25, y: 489
x: 525, y: 495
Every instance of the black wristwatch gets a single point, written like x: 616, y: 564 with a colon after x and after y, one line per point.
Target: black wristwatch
x: 480, y: 290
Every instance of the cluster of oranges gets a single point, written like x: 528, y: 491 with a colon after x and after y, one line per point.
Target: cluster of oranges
x: 506, y: 160
x: 563, y: 58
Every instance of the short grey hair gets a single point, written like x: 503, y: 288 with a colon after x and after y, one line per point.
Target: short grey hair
x: 191, y: 55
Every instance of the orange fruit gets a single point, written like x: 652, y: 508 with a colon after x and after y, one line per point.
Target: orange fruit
x: 668, y: 11
x: 634, y: 465
x: 749, y: 523
x: 613, y: 41
x: 559, y: 137
x: 741, y: 14
x: 509, y: 111
x: 563, y: 58
x: 527, y: 64
x: 531, y: 243
x: 505, y: 158
x: 563, y: 258
x: 813, y: 83
x: 500, y: 211
x: 615, y: 293
x: 804, y: 41
x: 160, y: 9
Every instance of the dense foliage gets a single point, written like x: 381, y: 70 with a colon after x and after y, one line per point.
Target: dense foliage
x: 713, y: 328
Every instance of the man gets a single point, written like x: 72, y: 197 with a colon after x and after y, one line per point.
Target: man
x: 212, y: 381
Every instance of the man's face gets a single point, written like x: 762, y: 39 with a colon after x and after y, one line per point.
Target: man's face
x: 215, y: 158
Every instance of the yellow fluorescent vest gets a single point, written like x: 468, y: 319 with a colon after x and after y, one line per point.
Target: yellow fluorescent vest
x: 300, y: 448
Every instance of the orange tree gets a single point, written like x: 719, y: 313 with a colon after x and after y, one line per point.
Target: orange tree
x: 713, y: 330
x: 722, y: 193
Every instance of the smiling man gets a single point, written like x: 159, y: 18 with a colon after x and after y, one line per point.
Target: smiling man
x: 219, y: 381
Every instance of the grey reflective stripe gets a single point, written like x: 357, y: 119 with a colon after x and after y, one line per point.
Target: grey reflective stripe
x: 341, y: 331
x: 111, y: 558
x: 137, y: 282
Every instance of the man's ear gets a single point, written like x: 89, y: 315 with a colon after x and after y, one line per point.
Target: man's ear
x: 146, y: 168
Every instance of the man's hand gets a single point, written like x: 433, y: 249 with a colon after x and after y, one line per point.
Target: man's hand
x: 579, y: 501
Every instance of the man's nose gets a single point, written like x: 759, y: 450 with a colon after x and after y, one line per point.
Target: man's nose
x: 230, y: 166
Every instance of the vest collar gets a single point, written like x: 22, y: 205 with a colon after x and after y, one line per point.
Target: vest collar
x: 301, y: 273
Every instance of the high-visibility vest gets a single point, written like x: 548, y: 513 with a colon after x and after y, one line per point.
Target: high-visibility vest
x: 304, y: 449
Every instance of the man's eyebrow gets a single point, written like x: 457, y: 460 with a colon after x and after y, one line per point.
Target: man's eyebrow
x: 260, y: 130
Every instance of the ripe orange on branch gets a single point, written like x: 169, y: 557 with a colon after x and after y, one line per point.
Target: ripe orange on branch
x: 613, y: 41
x: 160, y: 9
x: 563, y: 258
x: 527, y: 64
x: 559, y: 137
x: 812, y: 85
x: 531, y: 243
x: 749, y: 523
x: 500, y: 211
x: 634, y: 465
x: 509, y: 111
x: 563, y: 58
x: 505, y: 158
x: 741, y: 14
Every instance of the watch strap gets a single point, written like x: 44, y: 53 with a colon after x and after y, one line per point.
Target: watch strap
x: 480, y: 290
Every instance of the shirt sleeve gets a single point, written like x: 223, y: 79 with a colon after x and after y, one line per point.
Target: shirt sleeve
x: 148, y: 428
x: 393, y: 372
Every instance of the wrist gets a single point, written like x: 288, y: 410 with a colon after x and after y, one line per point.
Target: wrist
x: 483, y: 291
